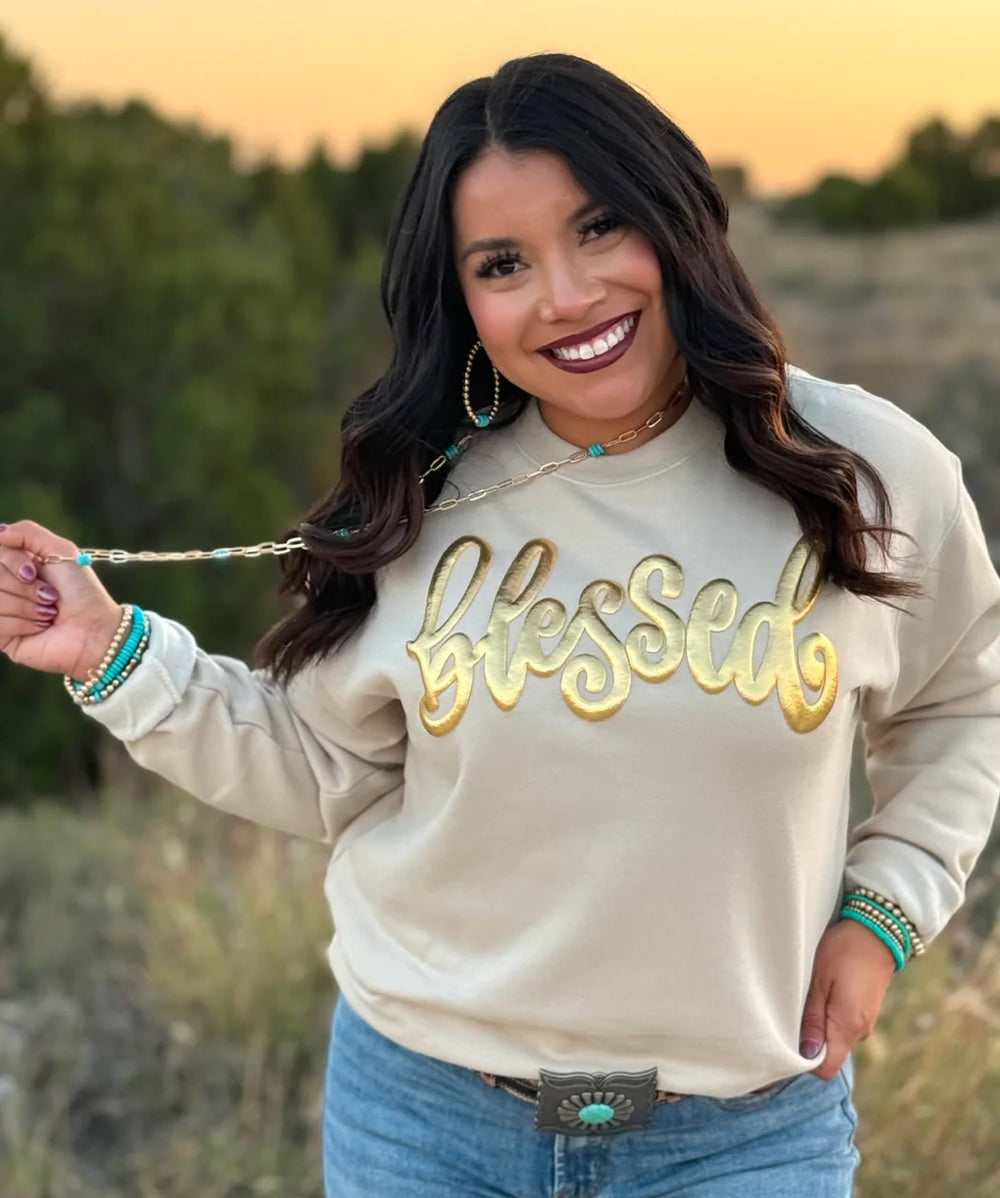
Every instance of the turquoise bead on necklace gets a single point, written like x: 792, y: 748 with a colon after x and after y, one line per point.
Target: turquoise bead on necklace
x: 450, y: 454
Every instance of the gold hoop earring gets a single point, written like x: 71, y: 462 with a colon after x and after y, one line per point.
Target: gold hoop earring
x: 480, y: 419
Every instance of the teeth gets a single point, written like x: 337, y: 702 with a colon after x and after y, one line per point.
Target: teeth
x: 600, y: 345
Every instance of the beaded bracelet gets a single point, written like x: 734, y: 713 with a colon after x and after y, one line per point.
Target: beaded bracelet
x: 126, y: 661
x: 113, y: 684
x: 114, y: 657
x: 95, y: 672
x: 881, y: 915
x: 885, y: 918
x: 892, y: 909
x: 116, y: 666
x: 883, y: 933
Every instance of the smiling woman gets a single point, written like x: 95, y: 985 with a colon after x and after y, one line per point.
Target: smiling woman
x: 546, y: 298
x: 584, y: 764
x: 548, y: 202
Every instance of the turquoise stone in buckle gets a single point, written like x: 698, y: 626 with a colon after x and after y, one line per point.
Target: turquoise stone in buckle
x: 582, y: 1104
x: 597, y: 1112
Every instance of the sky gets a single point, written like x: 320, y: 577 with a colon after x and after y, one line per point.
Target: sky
x: 792, y: 89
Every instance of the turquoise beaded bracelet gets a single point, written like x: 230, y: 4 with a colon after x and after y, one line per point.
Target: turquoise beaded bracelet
x: 124, y: 655
x: 128, y: 657
x: 873, y: 909
x: 862, y: 894
x: 887, y: 938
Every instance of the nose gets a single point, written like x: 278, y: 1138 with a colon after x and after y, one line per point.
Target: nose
x: 569, y: 292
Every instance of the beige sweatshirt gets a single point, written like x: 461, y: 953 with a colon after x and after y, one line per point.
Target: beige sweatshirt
x: 584, y: 771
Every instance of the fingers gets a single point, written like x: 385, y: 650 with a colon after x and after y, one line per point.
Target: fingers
x: 812, y: 1035
x: 16, y: 580
x: 27, y: 604
x: 836, y: 1054
x: 22, y: 625
x: 29, y: 539
x: 23, y: 546
x: 23, y: 617
x: 832, y: 1021
x: 845, y: 1026
x: 20, y: 585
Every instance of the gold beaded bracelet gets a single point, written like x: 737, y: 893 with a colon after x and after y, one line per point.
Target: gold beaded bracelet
x: 871, y: 912
x: 860, y: 893
x: 918, y: 944
x: 95, y: 673
x: 117, y: 682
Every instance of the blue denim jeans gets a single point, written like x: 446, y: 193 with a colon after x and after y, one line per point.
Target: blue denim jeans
x: 398, y: 1124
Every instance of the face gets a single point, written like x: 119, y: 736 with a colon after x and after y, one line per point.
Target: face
x: 539, y: 263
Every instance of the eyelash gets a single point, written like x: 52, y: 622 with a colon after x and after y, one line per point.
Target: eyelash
x: 483, y: 272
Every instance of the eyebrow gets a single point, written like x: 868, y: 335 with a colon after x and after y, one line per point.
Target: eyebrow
x: 503, y: 243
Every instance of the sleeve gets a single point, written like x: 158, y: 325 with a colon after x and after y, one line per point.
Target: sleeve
x: 932, y: 737
x: 305, y: 760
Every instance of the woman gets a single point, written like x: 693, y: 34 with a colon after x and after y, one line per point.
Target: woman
x: 581, y: 749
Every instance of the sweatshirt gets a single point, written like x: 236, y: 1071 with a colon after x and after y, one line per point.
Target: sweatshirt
x: 584, y: 771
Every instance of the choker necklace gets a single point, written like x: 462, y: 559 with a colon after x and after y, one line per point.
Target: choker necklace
x: 598, y: 449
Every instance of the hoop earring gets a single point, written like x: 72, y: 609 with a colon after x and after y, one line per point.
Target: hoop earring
x: 481, y: 419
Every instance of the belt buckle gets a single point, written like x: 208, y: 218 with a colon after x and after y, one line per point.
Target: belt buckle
x: 588, y: 1104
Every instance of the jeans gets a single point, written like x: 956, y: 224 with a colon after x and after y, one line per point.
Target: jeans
x: 399, y: 1124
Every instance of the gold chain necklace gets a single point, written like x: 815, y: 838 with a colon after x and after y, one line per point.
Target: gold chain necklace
x: 119, y: 556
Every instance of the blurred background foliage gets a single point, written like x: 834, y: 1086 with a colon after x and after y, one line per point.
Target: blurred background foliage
x: 178, y: 339
x: 179, y: 336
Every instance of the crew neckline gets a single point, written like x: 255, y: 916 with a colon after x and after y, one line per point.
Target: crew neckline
x: 689, y: 432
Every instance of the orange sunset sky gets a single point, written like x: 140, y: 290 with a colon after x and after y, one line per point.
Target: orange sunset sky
x: 790, y: 88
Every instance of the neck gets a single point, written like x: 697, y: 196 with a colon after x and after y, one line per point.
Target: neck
x: 583, y: 431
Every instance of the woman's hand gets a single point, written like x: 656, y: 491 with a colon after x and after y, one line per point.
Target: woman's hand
x: 67, y: 634
x: 851, y: 974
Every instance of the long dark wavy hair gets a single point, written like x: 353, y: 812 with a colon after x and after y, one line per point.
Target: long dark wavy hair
x: 624, y: 153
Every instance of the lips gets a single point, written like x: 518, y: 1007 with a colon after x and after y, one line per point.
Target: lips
x: 587, y: 334
x: 599, y: 361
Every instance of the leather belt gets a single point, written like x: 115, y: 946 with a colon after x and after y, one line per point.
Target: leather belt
x: 528, y: 1090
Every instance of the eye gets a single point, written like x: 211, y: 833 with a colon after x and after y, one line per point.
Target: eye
x: 603, y: 224
x: 491, y: 268
x: 485, y: 271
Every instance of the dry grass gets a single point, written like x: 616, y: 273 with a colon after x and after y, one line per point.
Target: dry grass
x: 165, y: 1005
x: 165, y: 1010
x: 896, y: 312
x: 929, y: 1082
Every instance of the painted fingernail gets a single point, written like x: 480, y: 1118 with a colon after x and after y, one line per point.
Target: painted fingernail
x: 27, y: 571
x: 48, y: 611
x: 810, y: 1049
x: 47, y: 594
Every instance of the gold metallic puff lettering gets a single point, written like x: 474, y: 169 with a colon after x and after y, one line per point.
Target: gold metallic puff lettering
x: 453, y: 646
x: 594, y: 687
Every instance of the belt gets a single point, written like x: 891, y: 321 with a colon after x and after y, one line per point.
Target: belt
x: 581, y: 1104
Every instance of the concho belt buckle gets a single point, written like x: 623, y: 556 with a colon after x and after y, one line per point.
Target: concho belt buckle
x: 587, y: 1104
